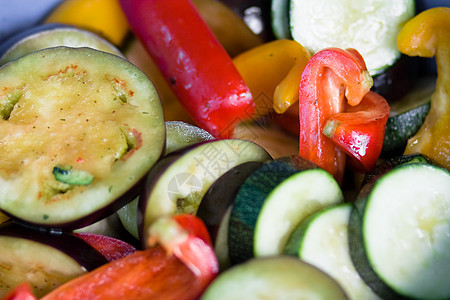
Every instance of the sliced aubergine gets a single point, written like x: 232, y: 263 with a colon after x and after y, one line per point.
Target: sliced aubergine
x: 178, y: 182
x: 45, y: 260
x: 216, y: 205
x: 322, y: 240
x: 398, y: 79
x: 272, y: 201
x: 52, y: 35
x: 80, y: 128
x: 280, y: 277
x: 371, y: 27
x: 407, y: 116
x: 179, y: 135
x: 399, y: 233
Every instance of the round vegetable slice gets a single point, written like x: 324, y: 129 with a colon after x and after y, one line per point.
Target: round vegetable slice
x: 178, y: 182
x: 86, y: 113
x: 399, y: 233
x: 272, y: 201
x: 322, y: 240
x: 371, y: 27
x: 279, y: 277
x: 179, y: 135
x: 52, y: 35
x: 44, y: 260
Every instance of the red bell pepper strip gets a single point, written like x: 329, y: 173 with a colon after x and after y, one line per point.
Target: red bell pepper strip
x: 195, y: 64
x: 359, y: 131
x: 152, y: 273
x: 331, y: 76
x: 111, y: 248
x: 185, y: 236
x: 20, y: 292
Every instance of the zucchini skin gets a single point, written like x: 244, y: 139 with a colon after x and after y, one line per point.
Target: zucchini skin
x: 360, y: 242
x: 256, y: 187
x: 400, y: 128
x: 358, y: 254
x: 371, y: 177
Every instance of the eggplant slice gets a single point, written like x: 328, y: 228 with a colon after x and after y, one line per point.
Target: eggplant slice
x: 79, y: 129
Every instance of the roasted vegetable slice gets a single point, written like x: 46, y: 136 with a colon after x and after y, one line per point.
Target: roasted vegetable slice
x: 42, y: 259
x: 79, y: 129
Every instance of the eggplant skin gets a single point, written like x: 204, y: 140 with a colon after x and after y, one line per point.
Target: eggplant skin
x: 397, y: 80
x: 83, y: 253
x: 101, y: 115
x: 44, y: 259
x: 221, y: 195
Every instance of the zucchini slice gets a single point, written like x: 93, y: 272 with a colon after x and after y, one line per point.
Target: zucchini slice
x: 178, y: 182
x: 86, y: 110
x: 407, y: 116
x: 371, y: 27
x: 280, y: 277
x: 45, y: 260
x: 272, y: 201
x: 322, y: 241
x: 391, y: 163
x: 399, y: 233
x: 280, y: 19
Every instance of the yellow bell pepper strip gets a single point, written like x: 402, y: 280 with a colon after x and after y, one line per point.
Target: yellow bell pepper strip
x: 428, y: 35
x: 331, y: 76
x: 104, y: 17
x: 272, y: 71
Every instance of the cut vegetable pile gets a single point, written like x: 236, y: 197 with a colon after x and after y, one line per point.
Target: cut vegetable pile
x: 162, y: 157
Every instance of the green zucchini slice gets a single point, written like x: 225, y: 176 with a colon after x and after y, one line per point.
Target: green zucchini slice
x: 79, y: 130
x: 371, y: 27
x: 272, y: 201
x: 280, y: 277
x: 322, y: 241
x: 407, y: 116
x: 399, y: 233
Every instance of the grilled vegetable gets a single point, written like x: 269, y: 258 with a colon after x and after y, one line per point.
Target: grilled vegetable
x: 428, y: 35
x: 80, y: 128
x: 398, y: 232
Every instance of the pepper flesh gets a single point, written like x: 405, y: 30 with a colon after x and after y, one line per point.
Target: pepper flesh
x: 330, y: 75
x: 359, y: 130
x: 428, y: 35
x: 20, y: 292
x: 104, y: 17
x: 272, y: 71
x: 153, y: 273
x: 197, y: 67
